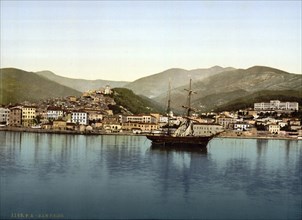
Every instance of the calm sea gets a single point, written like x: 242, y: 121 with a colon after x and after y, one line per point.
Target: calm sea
x: 118, y: 177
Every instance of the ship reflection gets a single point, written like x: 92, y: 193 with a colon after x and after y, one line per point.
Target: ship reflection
x: 183, y: 148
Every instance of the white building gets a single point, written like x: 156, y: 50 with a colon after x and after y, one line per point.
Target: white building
x: 274, y: 128
x: 276, y: 105
x: 242, y: 126
x: 140, y: 119
x: 79, y: 117
x: 107, y: 90
x: 203, y: 129
x: 225, y: 120
x: 54, y: 113
x: 4, y: 115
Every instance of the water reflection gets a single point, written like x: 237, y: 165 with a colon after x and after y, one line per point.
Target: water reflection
x: 183, y: 149
x: 123, y: 177
x: 261, y: 146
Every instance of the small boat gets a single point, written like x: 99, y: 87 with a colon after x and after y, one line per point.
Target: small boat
x: 184, y: 136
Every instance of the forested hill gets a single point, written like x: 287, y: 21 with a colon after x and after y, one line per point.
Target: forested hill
x: 17, y: 86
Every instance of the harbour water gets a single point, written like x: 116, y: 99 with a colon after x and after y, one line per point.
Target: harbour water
x: 117, y: 177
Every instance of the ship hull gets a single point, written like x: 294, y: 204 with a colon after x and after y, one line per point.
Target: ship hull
x: 183, y: 142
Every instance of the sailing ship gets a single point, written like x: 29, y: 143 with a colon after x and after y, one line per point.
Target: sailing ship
x: 184, y: 136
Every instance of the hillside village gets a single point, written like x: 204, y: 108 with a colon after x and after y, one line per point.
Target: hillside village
x: 91, y: 114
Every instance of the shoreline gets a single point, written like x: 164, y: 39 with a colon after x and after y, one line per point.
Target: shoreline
x: 45, y: 131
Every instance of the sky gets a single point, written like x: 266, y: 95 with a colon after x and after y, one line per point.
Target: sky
x: 127, y: 40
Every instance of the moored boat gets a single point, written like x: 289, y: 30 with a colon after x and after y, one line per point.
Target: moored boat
x: 184, y: 136
x: 184, y: 141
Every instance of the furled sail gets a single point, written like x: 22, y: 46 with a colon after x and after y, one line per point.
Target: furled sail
x: 185, y: 129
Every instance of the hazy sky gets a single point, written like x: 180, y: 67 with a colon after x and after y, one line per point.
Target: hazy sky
x: 121, y: 40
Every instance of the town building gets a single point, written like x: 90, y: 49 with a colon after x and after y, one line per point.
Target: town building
x: 276, y: 105
x: 28, y: 115
x: 274, y: 128
x: 107, y: 90
x: 59, y: 124
x: 112, y: 128
x: 54, y: 113
x: 4, y: 115
x: 111, y: 119
x: 79, y: 117
x: 204, y: 129
x: 72, y: 98
x: 144, y: 127
x: 15, y: 117
x: 242, y: 126
x: 140, y: 118
x: 163, y: 119
x: 41, y: 114
x: 94, y: 115
x: 225, y: 120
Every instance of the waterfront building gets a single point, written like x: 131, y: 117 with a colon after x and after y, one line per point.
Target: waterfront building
x: 15, y: 117
x: 47, y: 126
x: 274, y: 128
x: 140, y: 118
x: 204, y: 129
x: 242, y: 126
x: 4, y: 115
x: 59, y: 124
x: 28, y: 115
x: 144, y: 127
x: 70, y: 126
x: 112, y: 128
x: 156, y: 117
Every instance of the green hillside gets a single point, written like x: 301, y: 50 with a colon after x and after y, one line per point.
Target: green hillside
x: 133, y: 103
x: 261, y: 96
x: 80, y: 84
x: 153, y: 85
x: 18, y: 85
x: 222, y: 88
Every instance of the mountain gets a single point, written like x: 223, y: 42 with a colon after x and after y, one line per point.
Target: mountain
x: 17, y: 85
x: 127, y: 101
x: 261, y: 96
x: 222, y: 88
x: 80, y: 84
x: 153, y: 85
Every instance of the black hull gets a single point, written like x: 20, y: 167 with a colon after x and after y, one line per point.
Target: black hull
x: 181, y: 142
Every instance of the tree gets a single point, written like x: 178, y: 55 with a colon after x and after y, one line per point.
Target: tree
x: 37, y: 119
x: 260, y: 127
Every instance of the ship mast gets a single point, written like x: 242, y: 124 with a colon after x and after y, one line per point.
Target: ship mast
x: 190, y: 92
x: 169, y: 106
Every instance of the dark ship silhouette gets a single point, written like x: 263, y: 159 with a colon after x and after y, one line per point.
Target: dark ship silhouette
x: 183, y: 137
